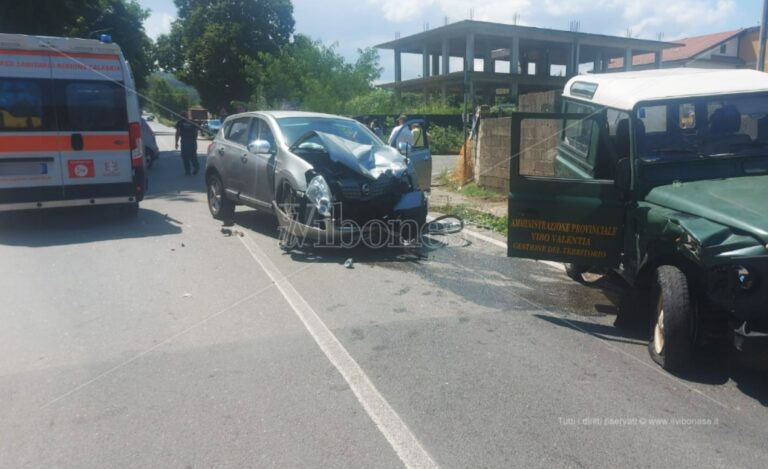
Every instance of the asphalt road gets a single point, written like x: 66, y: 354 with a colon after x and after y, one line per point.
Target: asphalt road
x: 161, y: 342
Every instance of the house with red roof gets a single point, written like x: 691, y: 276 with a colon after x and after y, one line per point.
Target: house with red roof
x: 728, y: 49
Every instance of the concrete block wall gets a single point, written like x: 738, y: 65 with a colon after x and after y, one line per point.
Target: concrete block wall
x: 538, y: 145
x: 493, y: 154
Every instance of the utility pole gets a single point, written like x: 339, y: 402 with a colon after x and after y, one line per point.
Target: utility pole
x: 761, y: 54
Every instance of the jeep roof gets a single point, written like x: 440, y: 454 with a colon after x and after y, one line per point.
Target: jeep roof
x: 624, y: 90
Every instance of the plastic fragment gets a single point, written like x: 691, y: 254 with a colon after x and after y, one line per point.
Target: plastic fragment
x: 349, y: 263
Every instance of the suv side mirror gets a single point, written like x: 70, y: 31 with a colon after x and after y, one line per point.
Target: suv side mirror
x: 403, y: 148
x: 624, y: 174
x: 259, y: 146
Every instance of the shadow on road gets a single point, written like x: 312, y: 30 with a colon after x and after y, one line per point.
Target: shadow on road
x: 715, y: 364
x: 167, y: 180
x: 79, y: 225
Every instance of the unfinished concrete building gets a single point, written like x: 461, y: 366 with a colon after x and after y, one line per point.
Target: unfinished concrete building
x: 495, y: 62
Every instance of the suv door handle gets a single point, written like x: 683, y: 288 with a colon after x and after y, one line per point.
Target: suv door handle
x: 220, y: 150
x: 244, y: 158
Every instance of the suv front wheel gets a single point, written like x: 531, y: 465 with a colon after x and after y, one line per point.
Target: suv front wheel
x: 672, y: 321
x: 219, y: 205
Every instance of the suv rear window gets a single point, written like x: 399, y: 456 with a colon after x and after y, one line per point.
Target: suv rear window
x: 23, y: 105
x: 237, y: 131
x: 93, y: 106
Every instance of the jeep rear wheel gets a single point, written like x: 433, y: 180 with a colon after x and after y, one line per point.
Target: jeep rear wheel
x: 672, y: 321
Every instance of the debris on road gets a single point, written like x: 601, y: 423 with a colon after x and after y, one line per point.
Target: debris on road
x: 349, y: 263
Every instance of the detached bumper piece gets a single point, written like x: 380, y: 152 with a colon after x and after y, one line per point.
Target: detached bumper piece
x: 749, y: 340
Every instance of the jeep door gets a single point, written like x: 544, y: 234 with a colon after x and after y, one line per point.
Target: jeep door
x: 559, y: 209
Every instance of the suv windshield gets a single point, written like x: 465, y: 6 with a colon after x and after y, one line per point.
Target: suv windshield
x: 294, y: 128
x: 708, y: 127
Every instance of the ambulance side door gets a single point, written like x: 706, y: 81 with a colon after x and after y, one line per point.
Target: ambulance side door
x: 92, y: 110
x: 30, y: 169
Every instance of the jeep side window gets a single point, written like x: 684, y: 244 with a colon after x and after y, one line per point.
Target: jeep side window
x: 575, y: 149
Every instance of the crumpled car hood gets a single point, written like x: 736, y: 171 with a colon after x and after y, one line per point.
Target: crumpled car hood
x: 737, y: 202
x: 367, y: 160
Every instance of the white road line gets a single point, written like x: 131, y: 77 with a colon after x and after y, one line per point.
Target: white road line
x: 397, y: 433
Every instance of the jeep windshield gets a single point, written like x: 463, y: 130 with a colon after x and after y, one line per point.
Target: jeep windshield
x: 708, y: 127
x: 300, y: 131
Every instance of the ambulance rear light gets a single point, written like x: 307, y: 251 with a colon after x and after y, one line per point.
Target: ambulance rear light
x: 136, y: 145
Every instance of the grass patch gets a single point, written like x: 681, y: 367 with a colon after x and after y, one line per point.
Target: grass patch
x: 473, y: 190
x: 446, y: 181
x: 476, y: 217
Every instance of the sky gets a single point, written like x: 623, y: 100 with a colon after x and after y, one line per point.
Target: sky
x: 356, y: 24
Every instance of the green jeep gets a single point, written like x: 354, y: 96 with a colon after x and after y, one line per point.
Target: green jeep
x: 661, y: 175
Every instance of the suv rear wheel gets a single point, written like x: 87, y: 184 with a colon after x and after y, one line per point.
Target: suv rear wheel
x: 672, y: 321
x: 219, y: 205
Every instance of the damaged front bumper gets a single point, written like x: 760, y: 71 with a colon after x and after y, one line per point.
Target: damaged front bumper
x: 344, y: 232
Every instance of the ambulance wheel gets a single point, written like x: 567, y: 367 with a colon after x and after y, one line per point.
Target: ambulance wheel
x: 672, y: 321
x: 130, y: 210
x: 219, y: 205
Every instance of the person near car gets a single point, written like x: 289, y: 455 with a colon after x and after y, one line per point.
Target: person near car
x: 401, y: 133
x: 186, y: 131
x: 375, y: 128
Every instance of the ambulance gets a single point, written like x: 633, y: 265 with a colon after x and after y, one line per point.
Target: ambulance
x: 70, y: 132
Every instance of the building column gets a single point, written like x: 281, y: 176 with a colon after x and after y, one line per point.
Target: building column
x: 398, y: 68
x: 444, y: 91
x: 576, y: 57
x: 488, y: 62
x: 657, y: 59
x: 514, y: 56
x: 446, y: 58
x: 435, y: 65
x: 628, y: 60
x: 469, y: 55
x: 514, y: 91
x: 424, y: 61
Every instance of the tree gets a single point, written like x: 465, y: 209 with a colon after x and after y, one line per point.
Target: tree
x: 312, y: 76
x: 212, y: 41
x: 122, y: 19
x: 167, y: 99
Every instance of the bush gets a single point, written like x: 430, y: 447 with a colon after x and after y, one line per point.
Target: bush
x: 445, y: 140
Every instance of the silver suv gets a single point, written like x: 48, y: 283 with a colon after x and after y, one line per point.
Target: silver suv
x: 320, y: 174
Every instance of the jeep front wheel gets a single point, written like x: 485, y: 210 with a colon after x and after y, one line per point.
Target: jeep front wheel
x: 672, y: 319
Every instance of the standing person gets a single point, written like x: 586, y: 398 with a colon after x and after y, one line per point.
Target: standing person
x: 374, y: 126
x: 397, y: 136
x: 186, y: 130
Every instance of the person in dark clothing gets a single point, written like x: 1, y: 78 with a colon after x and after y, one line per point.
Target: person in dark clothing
x: 187, y: 131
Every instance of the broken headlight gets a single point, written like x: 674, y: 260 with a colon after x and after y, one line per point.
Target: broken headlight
x: 319, y: 194
x: 746, y: 279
